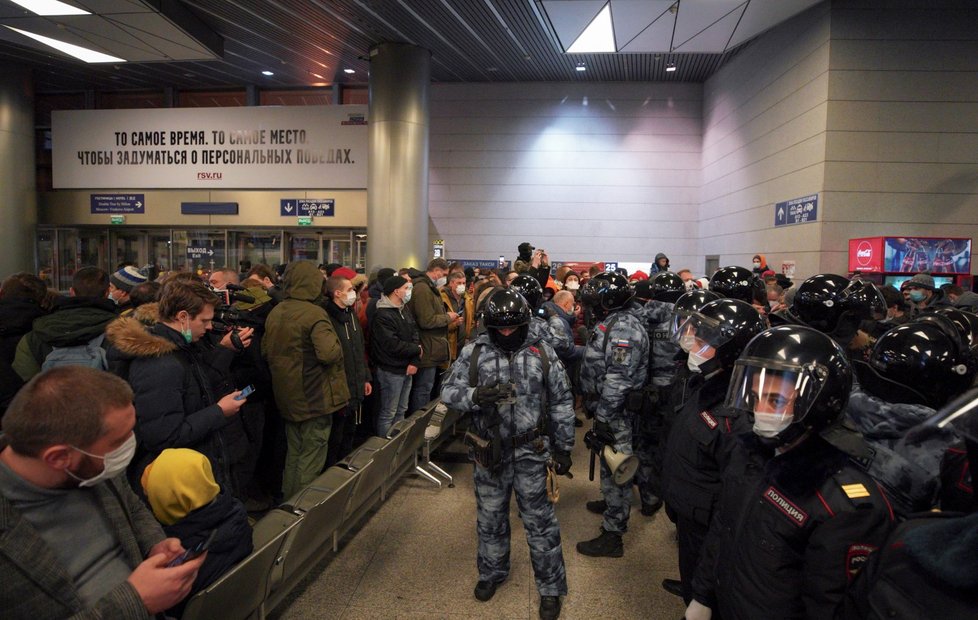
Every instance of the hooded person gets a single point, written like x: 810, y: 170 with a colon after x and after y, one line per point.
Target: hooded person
x: 522, y: 262
x: 184, y: 497
x: 661, y: 263
x: 760, y: 264
x: 305, y: 358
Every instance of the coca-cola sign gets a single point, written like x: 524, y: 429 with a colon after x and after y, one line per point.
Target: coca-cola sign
x: 864, y: 253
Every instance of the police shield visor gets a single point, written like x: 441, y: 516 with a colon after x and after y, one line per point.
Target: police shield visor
x: 779, y: 392
x: 961, y: 416
x: 698, y: 333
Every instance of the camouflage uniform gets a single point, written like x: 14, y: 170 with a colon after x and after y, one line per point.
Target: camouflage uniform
x: 525, y: 468
x: 649, y: 439
x: 608, y: 374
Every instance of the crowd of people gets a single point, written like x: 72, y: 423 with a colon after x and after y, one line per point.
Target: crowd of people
x: 788, y: 429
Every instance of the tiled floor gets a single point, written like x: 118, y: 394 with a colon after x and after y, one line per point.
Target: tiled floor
x: 414, y: 558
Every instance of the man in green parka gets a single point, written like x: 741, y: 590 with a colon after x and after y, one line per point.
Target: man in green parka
x: 306, y: 361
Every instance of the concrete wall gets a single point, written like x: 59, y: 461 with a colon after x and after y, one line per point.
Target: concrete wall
x: 587, y: 171
x: 764, y: 142
x: 901, y: 146
x: 18, y: 196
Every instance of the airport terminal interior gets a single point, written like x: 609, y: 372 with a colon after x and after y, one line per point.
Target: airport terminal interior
x: 829, y: 136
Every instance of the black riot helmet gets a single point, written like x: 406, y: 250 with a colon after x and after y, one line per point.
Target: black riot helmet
x: 605, y: 292
x: 690, y: 302
x: 714, y: 335
x: 817, y: 302
x: 863, y: 301
x: 506, y: 308
x: 667, y: 287
x: 737, y: 283
x: 790, y: 379
x: 924, y: 362
x: 529, y: 287
x: 966, y: 322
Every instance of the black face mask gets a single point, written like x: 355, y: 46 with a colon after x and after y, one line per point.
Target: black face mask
x: 510, y: 343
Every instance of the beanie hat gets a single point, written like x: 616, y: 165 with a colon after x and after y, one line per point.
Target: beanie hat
x: 393, y: 283
x: 638, y: 276
x: 383, y: 273
x: 126, y: 278
x: 343, y: 272
x: 178, y: 482
x: 921, y: 280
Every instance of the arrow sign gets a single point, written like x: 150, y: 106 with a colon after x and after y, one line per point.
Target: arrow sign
x: 117, y: 203
x: 797, y: 211
x: 307, y: 207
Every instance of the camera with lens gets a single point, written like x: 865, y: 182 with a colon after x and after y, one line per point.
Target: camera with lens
x: 226, y: 316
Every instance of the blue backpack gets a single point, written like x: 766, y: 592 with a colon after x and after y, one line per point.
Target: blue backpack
x: 90, y: 354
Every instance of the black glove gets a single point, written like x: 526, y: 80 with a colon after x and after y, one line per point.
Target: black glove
x: 562, y: 462
x: 599, y: 436
x: 486, y: 395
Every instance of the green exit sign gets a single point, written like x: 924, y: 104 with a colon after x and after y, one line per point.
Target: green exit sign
x: 117, y: 219
x: 305, y: 221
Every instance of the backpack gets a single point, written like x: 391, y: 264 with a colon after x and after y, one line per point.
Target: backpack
x: 90, y: 354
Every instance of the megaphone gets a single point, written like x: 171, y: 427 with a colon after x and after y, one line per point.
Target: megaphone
x: 623, y: 466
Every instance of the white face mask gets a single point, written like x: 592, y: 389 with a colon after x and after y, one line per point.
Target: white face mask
x: 350, y: 299
x: 695, y: 361
x: 772, y: 302
x: 572, y: 285
x: 460, y: 290
x: 115, y: 462
x: 770, y: 424
x: 757, y: 264
x: 440, y: 282
x: 407, y: 296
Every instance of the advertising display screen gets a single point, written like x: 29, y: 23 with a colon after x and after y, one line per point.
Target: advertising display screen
x: 926, y: 254
x: 896, y: 281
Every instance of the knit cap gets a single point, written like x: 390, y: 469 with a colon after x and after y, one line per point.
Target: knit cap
x: 178, y: 482
x: 344, y: 272
x: 921, y: 280
x: 126, y: 278
x: 393, y: 283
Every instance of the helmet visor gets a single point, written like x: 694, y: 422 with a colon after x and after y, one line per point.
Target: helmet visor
x: 697, y: 332
x: 961, y: 416
x: 762, y: 386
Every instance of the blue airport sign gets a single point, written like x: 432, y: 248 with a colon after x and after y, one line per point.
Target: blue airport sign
x: 797, y: 211
x: 307, y: 207
x: 118, y: 203
x: 478, y: 264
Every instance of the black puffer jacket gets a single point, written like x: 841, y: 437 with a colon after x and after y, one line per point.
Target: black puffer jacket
x: 176, y: 406
x: 16, y: 319
x: 394, y: 338
x: 789, y: 533
x: 348, y: 331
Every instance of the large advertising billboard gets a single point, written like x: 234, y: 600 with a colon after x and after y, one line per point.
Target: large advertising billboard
x: 910, y: 255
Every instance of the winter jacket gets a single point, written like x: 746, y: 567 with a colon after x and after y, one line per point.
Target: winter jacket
x: 432, y: 320
x: 789, y: 533
x: 75, y: 321
x: 561, y: 326
x: 347, y: 328
x: 304, y: 355
x: 17, y: 317
x: 967, y: 301
x: 176, y: 403
x: 375, y: 292
x: 459, y: 334
x: 35, y: 582
x: 124, y: 330
x: 231, y: 544
x: 655, y: 268
x: 541, y: 402
x: 908, y: 471
x: 658, y: 316
x: 700, y: 444
x: 616, y: 361
x: 394, y: 338
x: 928, y: 568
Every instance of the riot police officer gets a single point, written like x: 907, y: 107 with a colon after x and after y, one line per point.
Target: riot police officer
x: 532, y: 292
x: 795, y: 520
x: 735, y: 282
x: 613, y: 374
x: 704, y: 434
x: 523, y: 419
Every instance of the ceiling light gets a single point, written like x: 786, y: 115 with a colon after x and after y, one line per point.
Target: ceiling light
x: 599, y: 36
x: 267, y: 72
x: 50, y: 7
x: 77, y: 51
x: 349, y: 71
x: 670, y: 67
x: 580, y: 67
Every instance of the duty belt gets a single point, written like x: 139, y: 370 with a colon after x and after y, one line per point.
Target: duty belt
x: 522, y: 439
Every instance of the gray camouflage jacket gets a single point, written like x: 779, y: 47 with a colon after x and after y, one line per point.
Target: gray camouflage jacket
x: 525, y: 369
x: 658, y: 324
x: 610, y: 372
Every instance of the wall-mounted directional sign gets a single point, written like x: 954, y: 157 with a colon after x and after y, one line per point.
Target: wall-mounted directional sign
x: 307, y: 207
x: 797, y: 211
x: 118, y: 203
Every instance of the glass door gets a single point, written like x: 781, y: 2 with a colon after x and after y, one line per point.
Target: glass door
x: 340, y: 250
x: 46, y: 256
x: 80, y: 248
x: 304, y: 246
x: 198, y: 251
x: 250, y: 248
x: 360, y: 247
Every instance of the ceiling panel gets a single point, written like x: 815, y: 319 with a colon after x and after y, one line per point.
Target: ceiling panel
x: 696, y: 16
x: 571, y: 17
x: 715, y: 36
x: 631, y: 17
x: 655, y: 37
x: 762, y: 15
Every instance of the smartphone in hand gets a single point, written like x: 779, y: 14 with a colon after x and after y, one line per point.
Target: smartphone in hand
x: 245, y: 393
x: 194, y: 552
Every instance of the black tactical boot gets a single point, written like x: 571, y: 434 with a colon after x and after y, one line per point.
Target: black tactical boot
x: 484, y: 590
x: 607, y: 545
x: 651, y: 508
x: 673, y: 586
x: 549, y: 607
x: 597, y: 506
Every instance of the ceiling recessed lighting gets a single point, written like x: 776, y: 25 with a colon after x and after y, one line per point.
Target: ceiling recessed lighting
x: 267, y: 72
x: 79, y: 52
x: 349, y: 71
x: 580, y: 67
x: 50, y: 7
x: 670, y: 67
x: 599, y: 36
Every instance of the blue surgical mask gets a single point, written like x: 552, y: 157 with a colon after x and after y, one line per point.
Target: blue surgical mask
x: 917, y: 296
